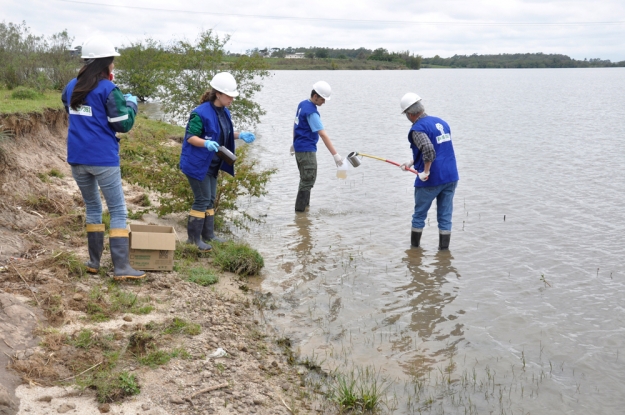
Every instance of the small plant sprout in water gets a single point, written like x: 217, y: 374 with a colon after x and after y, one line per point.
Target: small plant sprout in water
x: 542, y: 278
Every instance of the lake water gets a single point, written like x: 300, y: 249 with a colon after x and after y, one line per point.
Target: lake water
x: 526, y: 312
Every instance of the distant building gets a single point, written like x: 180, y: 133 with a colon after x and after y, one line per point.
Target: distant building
x: 298, y: 55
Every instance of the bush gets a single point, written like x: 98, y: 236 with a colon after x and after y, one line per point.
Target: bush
x: 35, y: 61
x: 193, y: 65
x: 149, y: 160
x: 238, y: 258
x: 141, y: 67
x: 25, y: 93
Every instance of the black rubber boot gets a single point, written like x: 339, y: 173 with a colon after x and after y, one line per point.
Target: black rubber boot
x: 194, y: 230
x: 120, y: 255
x: 303, y: 196
x: 443, y: 241
x: 95, y: 242
x: 208, y: 231
x: 415, y: 239
x: 308, y: 198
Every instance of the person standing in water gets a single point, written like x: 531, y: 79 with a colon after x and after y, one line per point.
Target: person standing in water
x: 434, y: 158
x: 306, y: 132
x: 97, y: 110
x: 209, y: 127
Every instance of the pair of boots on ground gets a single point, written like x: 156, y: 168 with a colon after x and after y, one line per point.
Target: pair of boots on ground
x: 201, y: 229
x: 118, y: 241
x: 443, y: 240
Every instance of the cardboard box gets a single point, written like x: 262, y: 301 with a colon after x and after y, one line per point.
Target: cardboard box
x: 152, y: 247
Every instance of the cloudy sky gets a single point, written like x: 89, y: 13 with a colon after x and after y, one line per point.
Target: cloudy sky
x: 578, y: 28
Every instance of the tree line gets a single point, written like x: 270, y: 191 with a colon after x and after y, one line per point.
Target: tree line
x: 39, y: 62
x: 410, y: 60
x: 517, y: 60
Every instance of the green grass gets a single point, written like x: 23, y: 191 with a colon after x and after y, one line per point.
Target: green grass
x: 106, y: 220
x: 127, y: 302
x: 9, y: 105
x: 112, y: 386
x: 56, y: 173
x: 45, y: 177
x: 180, y: 326
x: 149, y: 130
x: 69, y: 261
x: 359, y: 390
x: 102, y: 306
x: 155, y: 358
x: 84, y: 339
x: 238, y: 258
x: 161, y: 357
x: 202, y: 276
x: 25, y: 93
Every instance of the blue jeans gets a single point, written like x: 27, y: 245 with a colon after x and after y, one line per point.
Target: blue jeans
x: 204, y: 192
x: 423, y: 197
x: 92, y: 179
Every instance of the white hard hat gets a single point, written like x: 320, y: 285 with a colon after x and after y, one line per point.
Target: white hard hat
x: 322, y: 88
x: 408, y: 101
x: 98, y: 47
x: 225, y: 83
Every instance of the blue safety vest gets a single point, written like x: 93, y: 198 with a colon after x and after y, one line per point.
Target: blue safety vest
x: 304, y: 138
x: 443, y: 169
x: 90, y: 138
x: 194, y: 161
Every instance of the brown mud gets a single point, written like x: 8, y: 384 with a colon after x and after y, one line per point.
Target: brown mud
x: 66, y: 337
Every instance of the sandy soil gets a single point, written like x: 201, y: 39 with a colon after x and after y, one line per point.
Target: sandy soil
x: 44, y: 310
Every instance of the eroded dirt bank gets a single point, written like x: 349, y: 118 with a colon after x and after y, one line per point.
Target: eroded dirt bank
x: 75, y: 343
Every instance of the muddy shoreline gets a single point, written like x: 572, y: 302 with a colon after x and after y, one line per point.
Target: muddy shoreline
x: 45, y: 310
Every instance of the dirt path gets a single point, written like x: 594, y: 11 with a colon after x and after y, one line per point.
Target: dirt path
x: 80, y: 344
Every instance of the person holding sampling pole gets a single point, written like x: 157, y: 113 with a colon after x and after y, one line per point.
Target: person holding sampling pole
x: 434, y: 158
x: 306, y: 132
x: 97, y: 110
x: 209, y: 127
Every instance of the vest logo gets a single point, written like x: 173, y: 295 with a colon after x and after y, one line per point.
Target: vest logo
x: 83, y: 110
x: 297, y: 116
x: 443, y: 137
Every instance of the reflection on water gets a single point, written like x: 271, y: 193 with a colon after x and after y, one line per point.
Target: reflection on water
x: 427, y: 300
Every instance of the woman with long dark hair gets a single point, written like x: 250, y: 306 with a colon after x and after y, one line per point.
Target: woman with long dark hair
x: 97, y: 110
x: 209, y: 127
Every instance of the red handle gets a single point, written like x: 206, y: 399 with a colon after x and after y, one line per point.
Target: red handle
x: 397, y: 164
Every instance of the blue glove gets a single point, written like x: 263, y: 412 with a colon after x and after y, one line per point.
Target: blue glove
x: 211, y: 145
x: 247, y: 136
x: 130, y: 98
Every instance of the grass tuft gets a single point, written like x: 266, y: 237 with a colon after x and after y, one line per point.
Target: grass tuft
x: 25, y: 94
x: 112, y: 387
x: 84, y: 339
x: 202, y: 276
x: 359, y: 390
x: 238, y: 258
x: 180, y: 326
x: 70, y: 262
